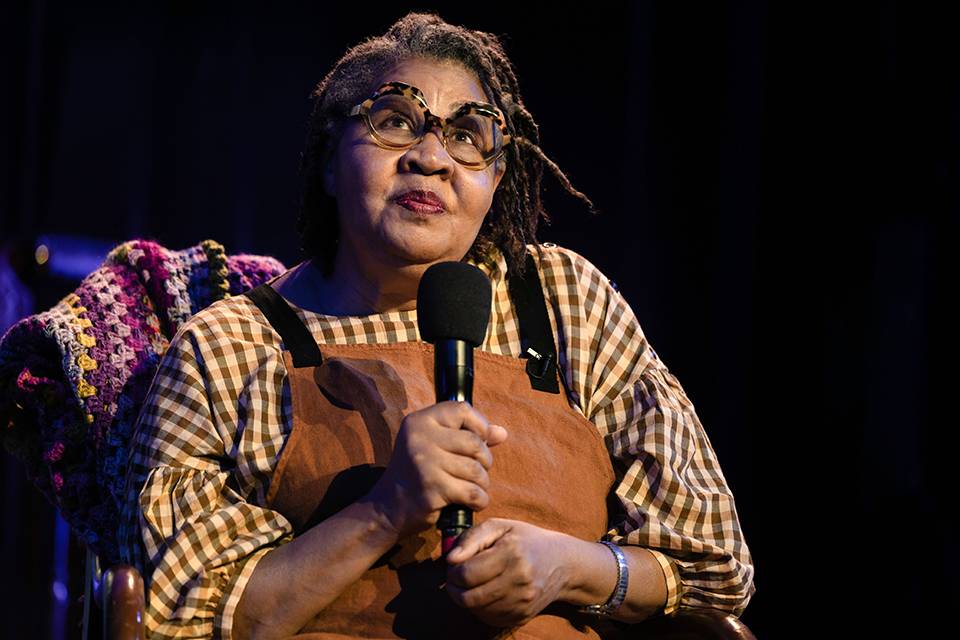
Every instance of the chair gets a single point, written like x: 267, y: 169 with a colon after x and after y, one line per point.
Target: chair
x: 119, y: 594
x: 122, y: 605
x: 71, y: 382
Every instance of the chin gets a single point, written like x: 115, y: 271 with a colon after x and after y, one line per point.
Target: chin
x: 414, y: 258
x: 410, y: 251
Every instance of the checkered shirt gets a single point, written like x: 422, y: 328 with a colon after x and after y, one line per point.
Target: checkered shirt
x: 219, y: 411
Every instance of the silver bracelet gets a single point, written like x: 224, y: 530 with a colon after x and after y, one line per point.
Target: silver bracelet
x: 620, y: 591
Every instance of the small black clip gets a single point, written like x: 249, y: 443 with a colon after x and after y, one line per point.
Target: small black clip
x: 537, y: 365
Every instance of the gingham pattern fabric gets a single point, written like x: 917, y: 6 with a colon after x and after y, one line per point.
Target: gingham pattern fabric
x: 219, y: 412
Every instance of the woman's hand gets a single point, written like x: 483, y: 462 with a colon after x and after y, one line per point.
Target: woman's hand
x: 442, y: 456
x: 507, y: 571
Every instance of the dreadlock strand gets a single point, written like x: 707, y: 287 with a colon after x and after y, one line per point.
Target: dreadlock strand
x: 559, y: 174
x: 517, y: 208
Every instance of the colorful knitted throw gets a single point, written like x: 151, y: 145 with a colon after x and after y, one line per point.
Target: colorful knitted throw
x: 72, y: 379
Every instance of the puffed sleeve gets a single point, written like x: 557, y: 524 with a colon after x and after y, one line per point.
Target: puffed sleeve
x: 674, y: 498
x: 203, y: 453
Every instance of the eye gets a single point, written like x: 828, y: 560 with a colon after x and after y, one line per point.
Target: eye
x: 464, y: 136
x: 397, y: 121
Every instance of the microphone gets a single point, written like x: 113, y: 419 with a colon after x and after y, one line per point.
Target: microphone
x: 453, y: 309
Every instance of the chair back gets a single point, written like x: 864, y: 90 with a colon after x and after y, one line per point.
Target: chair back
x: 73, y: 378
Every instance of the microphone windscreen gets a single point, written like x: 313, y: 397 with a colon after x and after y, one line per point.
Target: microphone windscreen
x: 453, y: 302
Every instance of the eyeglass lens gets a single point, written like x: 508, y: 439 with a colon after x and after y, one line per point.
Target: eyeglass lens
x: 470, y: 137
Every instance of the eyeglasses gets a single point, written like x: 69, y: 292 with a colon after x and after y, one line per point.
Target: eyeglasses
x: 397, y: 118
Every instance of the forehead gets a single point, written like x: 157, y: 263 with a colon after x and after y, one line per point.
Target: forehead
x: 445, y: 85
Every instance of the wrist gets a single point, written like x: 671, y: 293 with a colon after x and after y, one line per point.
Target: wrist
x: 612, y: 604
x: 591, y: 573
x: 381, y: 529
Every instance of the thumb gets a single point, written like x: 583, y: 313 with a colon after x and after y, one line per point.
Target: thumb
x: 495, y: 435
x: 480, y: 537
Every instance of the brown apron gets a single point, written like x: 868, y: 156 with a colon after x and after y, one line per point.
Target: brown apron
x: 553, y: 470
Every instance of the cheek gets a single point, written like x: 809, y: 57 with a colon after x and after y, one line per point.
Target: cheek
x: 364, y: 178
x: 482, y: 191
x: 359, y: 167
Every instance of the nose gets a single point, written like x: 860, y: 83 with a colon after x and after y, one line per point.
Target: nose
x: 428, y: 157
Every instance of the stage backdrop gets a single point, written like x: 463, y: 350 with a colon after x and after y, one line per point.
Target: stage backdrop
x: 779, y: 192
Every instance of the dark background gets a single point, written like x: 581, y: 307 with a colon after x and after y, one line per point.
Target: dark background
x: 779, y: 194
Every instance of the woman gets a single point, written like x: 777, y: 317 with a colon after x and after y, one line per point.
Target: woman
x: 275, y: 489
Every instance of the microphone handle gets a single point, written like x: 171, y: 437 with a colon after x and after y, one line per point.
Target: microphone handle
x: 453, y: 380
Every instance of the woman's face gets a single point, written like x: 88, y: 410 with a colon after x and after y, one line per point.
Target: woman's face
x: 378, y: 225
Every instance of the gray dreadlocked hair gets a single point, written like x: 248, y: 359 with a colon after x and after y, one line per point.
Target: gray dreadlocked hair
x: 517, y: 207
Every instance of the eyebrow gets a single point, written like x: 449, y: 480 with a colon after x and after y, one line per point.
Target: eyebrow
x: 453, y: 106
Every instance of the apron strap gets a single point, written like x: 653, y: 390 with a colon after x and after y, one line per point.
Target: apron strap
x: 536, y: 334
x: 295, y: 335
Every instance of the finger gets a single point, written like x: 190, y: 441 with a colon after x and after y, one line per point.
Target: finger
x: 485, y: 566
x: 466, y: 444
x: 462, y: 415
x: 473, y: 421
x: 496, y: 435
x: 475, y: 540
x: 485, y: 595
x: 456, y: 491
x: 464, y: 468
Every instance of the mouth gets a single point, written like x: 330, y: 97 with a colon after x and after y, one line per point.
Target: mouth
x: 420, y: 201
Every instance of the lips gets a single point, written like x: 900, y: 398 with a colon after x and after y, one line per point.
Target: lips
x: 420, y: 201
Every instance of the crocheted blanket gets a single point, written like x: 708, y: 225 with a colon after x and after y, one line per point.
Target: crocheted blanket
x: 72, y: 379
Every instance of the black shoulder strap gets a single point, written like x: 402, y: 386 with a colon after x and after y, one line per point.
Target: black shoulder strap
x: 295, y: 335
x: 536, y: 334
